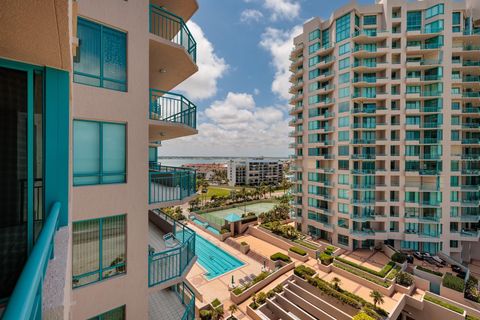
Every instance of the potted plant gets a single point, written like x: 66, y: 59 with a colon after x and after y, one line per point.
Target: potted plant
x: 244, y: 247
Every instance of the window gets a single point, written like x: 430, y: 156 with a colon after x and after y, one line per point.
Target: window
x: 454, y: 165
x: 313, y: 61
x: 455, y: 105
x: 453, y: 243
x: 102, y: 57
x: 343, y: 240
x: 344, y: 63
x: 313, y: 47
x: 315, y: 34
x: 313, y: 74
x: 115, y: 314
x: 343, y: 122
x: 343, y: 178
x: 413, y: 120
x: 434, y: 11
x: 369, y: 20
x: 343, y: 136
x: 99, y: 248
x: 455, y: 120
x: 453, y: 196
x: 456, y: 90
x: 99, y: 153
x: 454, y: 181
x: 343, y: 106
x: 456, y: 18
x: 344, y: 92
x: 413, y: 89
x: 344, y: 78
x: 435, y: 26
x: 325, y: 37
x: 344, y: 48
x: 343, y: 150
x: 414, y: 20
x: 342, y: 194
x: 342, y: 28
x: 343, y: 207
x: 455, y: 135
x: 343, y: 164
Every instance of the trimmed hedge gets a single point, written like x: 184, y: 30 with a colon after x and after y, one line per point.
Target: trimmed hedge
x: 363, y: 275
x: 329, y: 250
x: 260, y: 277
x: 215, y: 303
x: 303, y: 271
x: 437, y: 273
x: 454, y: 283
x: 404, y: 279
x: 399, y: 257
x: 326, y: 259
x: 382, y: 273
x: 306, y: 244
x: 298, y: 250
x: 468, y: 317
x: 393, y: 273
x: 243, y: 243
x: 280, y: 256
x: 444, y: 304
x: 362, y: 316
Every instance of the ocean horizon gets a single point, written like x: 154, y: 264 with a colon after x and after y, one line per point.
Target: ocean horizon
x: 178, y: 161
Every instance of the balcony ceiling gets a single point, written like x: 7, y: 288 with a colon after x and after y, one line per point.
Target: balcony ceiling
x: 36, y: 32
x: 183, y: 8
x: 165, y: 130
x: 170, y: 64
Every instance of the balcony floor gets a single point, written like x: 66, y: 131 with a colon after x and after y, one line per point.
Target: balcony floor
x: 155, y: 237
x: 165, y: 305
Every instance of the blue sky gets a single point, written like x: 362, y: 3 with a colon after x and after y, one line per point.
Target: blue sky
x: 241, y: 88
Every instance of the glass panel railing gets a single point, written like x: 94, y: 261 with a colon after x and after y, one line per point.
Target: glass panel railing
x: 172, y: 28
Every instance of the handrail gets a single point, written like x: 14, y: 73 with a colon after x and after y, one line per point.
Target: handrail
x: 26, y: 299
x: 170, y: 183
x: 172, y: 27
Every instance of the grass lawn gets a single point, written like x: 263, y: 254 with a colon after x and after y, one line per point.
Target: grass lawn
x: 220, y: 191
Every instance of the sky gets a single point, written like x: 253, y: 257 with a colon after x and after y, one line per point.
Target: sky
x: 241, y: 88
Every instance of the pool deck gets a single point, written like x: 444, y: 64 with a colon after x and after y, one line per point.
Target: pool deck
x: 218, y: 287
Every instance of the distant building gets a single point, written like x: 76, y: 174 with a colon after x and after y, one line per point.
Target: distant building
x: 254, y: 172
x: 207, y: 170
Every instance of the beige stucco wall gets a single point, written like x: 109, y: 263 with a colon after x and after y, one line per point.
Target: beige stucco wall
x: 130, y: 198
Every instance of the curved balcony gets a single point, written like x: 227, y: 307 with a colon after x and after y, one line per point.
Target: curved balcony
x: 171, y: 116
x: 173, y: 50
x: 169, y: 186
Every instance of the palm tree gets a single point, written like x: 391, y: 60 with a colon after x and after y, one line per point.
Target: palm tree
x: 270, y: 189
x: 233, y: 308
x: 336, y: 283
x: 217, y: 313
x: 377, y: 298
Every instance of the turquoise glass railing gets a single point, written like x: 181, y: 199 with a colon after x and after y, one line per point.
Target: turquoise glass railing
x: 26, y: 299
x: 171, y: 263
x: 170, y: 183
x: 172, y: 28
x: 172, y: 107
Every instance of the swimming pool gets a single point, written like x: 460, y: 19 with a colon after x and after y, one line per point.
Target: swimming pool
x: 213, y: 259
x: 239, y: 209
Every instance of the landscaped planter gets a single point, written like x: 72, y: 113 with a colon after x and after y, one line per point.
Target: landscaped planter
x: 285, y: 267
x: 436, y: 311
x: 405, y: 290
x: 323, y: 267
x: 385, y: 291
x: 253, y: 314
x: 452, y: 294
x: 244, y: 248
x: 297, y: 256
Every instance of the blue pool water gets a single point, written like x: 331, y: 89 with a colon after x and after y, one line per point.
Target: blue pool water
x: 214, y: 259
x: 206, y: 226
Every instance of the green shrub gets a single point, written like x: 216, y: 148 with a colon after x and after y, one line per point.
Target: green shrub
x: 362, y: 316
x: 278, y: 288
x: 298, y: 251
x: 363, y: 275
x: 237, y: 291
x: 306, y: 244
x: 471, y: 291
x: 437, y: 273
x: 326, y: 259
x: 223, y: 231
x: 303, y: 271
x: 453, y: 282
x: 215, y: 303
x: 382, y: 273
x: 280, y: 256
x: 444, y: 304
x: 329, y: 250
x: 261, y: 298
x: 468, y: 317
x: 243, y: 243
x: 404, y: 279
x: 393, y: 273
x: 205, y: 314
x: 399, y: 257
x: 260, y: 277
x: 326, y: 288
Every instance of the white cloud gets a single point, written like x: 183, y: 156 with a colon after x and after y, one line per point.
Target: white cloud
x: 250, y: 15
x: 282, y: 9
x: 256, y: 91
x: 279, y: 44
x: 235, y: 126
x: 203, y: 84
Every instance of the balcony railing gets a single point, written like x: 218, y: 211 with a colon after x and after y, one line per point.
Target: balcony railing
x: 170, y: 183
x: 26, y: 299
x: 172, y: 107
x: 172, y: 28
x: 171, y: 263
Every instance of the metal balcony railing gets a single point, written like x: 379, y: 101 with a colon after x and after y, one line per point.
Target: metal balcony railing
x: 172, y: 107
x: 170, y: 183
x: 172, y: 28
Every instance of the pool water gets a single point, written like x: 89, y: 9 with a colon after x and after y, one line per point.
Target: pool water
x: 213, y: 259
x: 206, y: 226
x: 257, y: 208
